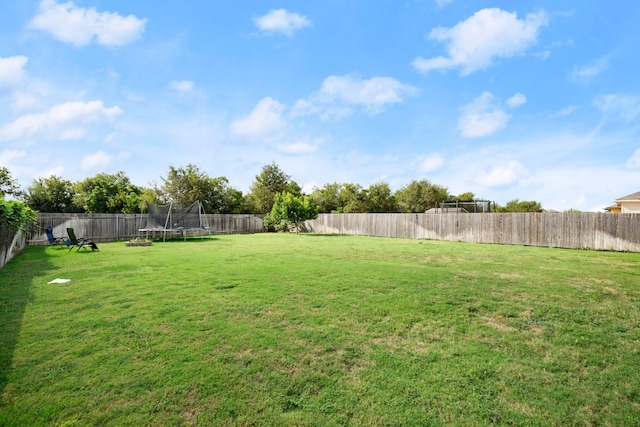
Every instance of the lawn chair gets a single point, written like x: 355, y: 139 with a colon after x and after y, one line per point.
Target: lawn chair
x: 83, y: 242
x: 53, y: 240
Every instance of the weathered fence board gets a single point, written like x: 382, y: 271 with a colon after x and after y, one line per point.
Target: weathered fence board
x: 600, y: 231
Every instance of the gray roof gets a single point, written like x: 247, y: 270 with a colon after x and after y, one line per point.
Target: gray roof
x: 633, y: 196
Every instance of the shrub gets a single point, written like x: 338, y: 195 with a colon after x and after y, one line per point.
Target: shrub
x: 16, y: 215
x: 289, y: 211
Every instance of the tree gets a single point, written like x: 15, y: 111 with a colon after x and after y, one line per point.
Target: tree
x: 289, y: 211
x: 380, y: 198
x: 148, y: 195
x: 223, y: 199
x: 186, y: 185
x: 466, y: 196
x: 271, y: 181
x: 518, y: 206
x: 327, y: 198
x: 353, y: 198
x: 52, y: 194
x: 8, y: 185
x: 108, y: 193
x: 419, y: 196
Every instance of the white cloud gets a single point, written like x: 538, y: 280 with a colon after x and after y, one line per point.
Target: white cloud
x: 442, y: 3
x: 265, y: 119
x: 181, y: 85
x: 431, y: 163
x: 634, y: 160
x: 374, y: 94
x: 339, y: 95
x: 304, y: 107
x: 516, y: 100
x: 564, y: 112
x: 12, y: 69
x: 620, y: 107
x: 7, y: 156
x: 588, y: 72
x: 501, y: 176
x: 100, y: 159
x: 63, y: 121
x: 474, y: 44
x: 25, y: 166
x: 80, y: 26
x: 95, y: 160
x: 542, y: 55
x: 281, y: 21
x: 300, y: 147
x: 34, y: 94
x: 482, y: 117
x: 23, y: 101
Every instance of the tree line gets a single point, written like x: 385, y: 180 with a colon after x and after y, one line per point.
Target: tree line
x: 114, y: 193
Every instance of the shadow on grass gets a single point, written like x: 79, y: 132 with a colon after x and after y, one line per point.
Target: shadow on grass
x: 15, y: 294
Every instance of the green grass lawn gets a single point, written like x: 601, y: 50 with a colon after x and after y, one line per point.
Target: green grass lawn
x: 282, y: 329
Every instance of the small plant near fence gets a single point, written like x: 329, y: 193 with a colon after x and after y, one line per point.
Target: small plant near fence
x: 138, y: 241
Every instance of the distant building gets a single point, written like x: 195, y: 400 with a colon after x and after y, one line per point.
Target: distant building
x: 626, y: 204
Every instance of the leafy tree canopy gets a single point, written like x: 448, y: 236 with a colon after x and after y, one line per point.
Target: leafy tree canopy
x: 353, y: 198
x: 327, y: 198
x: 108, y: 193
x: 380, y: 198
x: 269, y: 182
x: 466, y: 196
x: 223, y: 199
x: 419, y: 196
x: 52, y: 194
x: 186, y: 185
x: 289, y: 211
x: 114, y: 193
x: 8, y: 185
x: 520, y: 206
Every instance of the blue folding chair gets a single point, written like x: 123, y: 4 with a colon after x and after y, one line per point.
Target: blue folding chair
x: 52, y: 239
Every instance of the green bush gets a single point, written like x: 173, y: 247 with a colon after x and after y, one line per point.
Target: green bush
x: 16, y: 215
x: 289, y: 211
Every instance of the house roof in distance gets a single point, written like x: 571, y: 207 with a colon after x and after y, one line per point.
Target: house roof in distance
x: 633, y: 196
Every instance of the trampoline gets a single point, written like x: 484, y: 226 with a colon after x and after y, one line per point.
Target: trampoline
x: 175, y: 219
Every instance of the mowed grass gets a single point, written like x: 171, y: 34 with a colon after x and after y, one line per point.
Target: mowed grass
x: 283, y: 329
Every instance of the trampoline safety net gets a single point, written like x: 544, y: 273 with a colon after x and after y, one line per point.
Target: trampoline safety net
x: 174, y: 218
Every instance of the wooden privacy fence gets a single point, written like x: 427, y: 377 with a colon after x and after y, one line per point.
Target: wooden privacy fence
x: 108, y: 227
x: 599, y: 231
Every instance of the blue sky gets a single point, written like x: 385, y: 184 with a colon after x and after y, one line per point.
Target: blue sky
x: 529, y: 100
